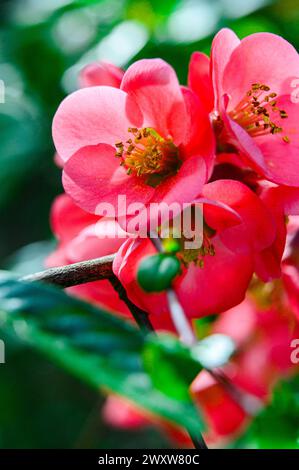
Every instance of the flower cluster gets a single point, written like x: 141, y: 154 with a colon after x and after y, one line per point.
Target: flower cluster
x: 229, y: 143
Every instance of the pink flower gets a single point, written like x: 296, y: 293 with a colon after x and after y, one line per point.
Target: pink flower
x: 252, y: 83
x: 216, y: 276
x: 96, y: 74
x: 100, y: 73
x: 83, y: 236
x: 199, y: 79
x: 282, y: 202
x: 290, y: 266
x: 263, y: 339
x: 150, y: 140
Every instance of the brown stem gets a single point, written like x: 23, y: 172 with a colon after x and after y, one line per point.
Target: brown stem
x: 75, y: 274
x: 141, y: 317
x: 88, y: 271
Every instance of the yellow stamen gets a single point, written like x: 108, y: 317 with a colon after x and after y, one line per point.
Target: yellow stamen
x: 197, y: 256
x: 254, y: 112
x: 148, y: 154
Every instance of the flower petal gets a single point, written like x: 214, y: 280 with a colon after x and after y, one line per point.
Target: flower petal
x: 257, y: 221
x: 248, y: 147
x: 125, y: 266
x: 219, y: 285
x: 67, y: 219
x: 224, y: 43
x: 100, y: 73
x: 185, y: 185
x: 199, y: 80
x: 94, y: 178
x: 264, y: 58
x: 268, y: 261
x: 154, y: 86
x: 199, y: 139
x: 100, y: 239
x: 224, y: 415
x: 281, y: 157
x: 102, y: 294
x: 92, y: 116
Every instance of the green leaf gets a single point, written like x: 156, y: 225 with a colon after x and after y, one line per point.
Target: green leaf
x: 276, y: 427
x: 170, y: 366
x: 95, y: 346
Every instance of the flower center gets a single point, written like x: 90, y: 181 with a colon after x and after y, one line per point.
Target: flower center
x: 197, y: 256
x: 257, y: 112
x: 148, y: 154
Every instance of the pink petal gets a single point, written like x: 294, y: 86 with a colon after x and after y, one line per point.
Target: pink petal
x: 125, y: 266
x: 120, y: 413
x: 281, y: 157
x: 238, y: 322
x: 286, y: 198
x: 67, y: 219
x: 224, y: 43
x: 232, y: 159
x: 94, y: 178
x: 100, y: 73
x: 257, y: 221
x: 92, y: 116
x: 268, y: 261
x: 263, y: 58
x: 185, y: 185
x: 102, y: 294
x: 223, y: 414
x: 219, y: 285
x: 290, y: 277
x: 242, y: 140
x: 199, y: 138
x: 290, y: 197
x: 199, y: 79
x: 171, y: 196
x: 97, y: 240
x: 268, y: 264
x: 154, y: 86
x: 57, y: 258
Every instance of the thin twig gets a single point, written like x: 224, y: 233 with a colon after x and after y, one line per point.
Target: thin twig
x: 89, y: 271
x: 75, y: 274
x: 141, y: 316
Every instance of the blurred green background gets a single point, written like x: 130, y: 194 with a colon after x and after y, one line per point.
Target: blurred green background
x: 43, y: 44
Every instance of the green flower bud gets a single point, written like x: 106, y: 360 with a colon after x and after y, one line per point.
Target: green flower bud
x: 156, y: 273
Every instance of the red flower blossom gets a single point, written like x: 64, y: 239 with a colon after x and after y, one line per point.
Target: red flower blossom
x: 252, y: 85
